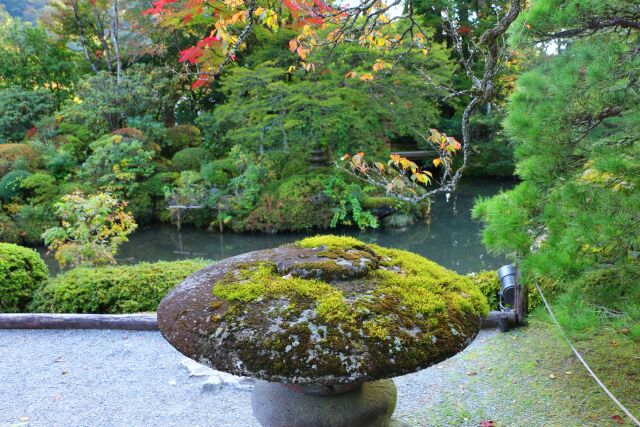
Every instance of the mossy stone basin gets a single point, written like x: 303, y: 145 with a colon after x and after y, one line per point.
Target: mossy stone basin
x: 325, y: 310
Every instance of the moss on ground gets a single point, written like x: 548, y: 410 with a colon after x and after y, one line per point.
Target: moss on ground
x: 527, y: 377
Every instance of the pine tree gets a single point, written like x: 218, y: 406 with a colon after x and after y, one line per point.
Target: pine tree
x: 574, y: 121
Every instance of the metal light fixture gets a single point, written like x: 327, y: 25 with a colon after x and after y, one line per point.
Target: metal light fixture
x: 508, y: 282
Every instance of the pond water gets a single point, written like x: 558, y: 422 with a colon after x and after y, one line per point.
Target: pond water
x: 451, y: 238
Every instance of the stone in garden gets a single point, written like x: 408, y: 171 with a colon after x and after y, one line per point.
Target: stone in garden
x: 324, y: 311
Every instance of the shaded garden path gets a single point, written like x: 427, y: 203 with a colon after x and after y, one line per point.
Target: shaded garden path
x: 116, y: 378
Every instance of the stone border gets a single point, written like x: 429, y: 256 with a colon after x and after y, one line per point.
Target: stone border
x: 134, y: 322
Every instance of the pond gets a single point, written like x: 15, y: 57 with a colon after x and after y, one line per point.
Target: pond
x: 450, y: 238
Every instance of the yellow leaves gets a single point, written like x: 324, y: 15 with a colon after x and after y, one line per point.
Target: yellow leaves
x: 380, y: 65
x: 366, y: 77
x: 302, y: 52
x: 421, y: 177
x: 308, y: 31
x: 375, y: 39
x: 268, y: 17
x: 308, y: 66
x: 296, y: 47
x: 425, y: 52
x: 380, y: 166
x: 239, y: 17
x: 291, y: 69
x: 436, y: 162
x: 234, y: 4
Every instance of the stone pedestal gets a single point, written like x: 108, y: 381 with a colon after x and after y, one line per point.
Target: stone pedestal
x: 280, y: 405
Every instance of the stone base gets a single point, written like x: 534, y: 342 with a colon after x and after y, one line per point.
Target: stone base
x: 371, y: 405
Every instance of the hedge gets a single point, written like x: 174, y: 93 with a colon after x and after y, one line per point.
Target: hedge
x: 189, y: 159
x: 22, y: 271
x: 113, y: 289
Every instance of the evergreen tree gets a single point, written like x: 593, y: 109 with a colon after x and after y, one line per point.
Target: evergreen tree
x: 574, y: 120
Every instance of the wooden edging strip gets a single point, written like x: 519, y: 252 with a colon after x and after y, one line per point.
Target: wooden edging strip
x: 130, y: 322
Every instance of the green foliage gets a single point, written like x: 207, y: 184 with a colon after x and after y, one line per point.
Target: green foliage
x: 32, y: 220
x: 118, y: 163
x: 347, y: 210
x: 22, y: 271
x: 189, y: 159
x: 507, y: 219
x: 20, y: 109
x: 9, y: 232
x: 40, y: 188
x: 91, y: 229
x: 573, y: 120
x: 217, y: 176
x: 298, y: 203
x: 113, y: 289
x: 11, y: 155
x: 31, y: 58
x: 105, y: 106
x: 189, y: 190
x: 492, y: 152
x: 153, y: 130
x: 60, y: 164
x: 10, y: 184
x: 489, y: 284
x: 180, y: 137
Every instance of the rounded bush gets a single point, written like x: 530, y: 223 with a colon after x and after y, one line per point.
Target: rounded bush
x: 10, y: 184
x: 12, y: 152
x: 132, y: 133
x: 22, y: 271
x: 189, y: 159
x: 181, y: 137
x: 212, y: 173
x: 9, y: 232
x: 113, y: 289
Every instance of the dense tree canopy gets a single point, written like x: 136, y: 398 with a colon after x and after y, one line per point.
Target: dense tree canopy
x: 574, y: 121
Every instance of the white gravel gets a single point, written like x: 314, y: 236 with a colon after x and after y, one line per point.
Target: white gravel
x: 119, y: 378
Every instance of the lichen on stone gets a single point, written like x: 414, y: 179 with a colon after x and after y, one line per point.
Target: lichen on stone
x: 325, y: 310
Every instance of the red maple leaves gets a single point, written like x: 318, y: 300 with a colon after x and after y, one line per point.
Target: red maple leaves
x: 158, y: 7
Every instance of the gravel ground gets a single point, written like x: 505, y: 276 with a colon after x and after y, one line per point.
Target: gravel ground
x: 119, y: 378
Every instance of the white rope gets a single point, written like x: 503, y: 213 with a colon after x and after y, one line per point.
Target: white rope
x: 564, y: 335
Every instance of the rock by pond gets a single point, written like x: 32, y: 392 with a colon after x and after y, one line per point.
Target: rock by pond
x: 323, y: 311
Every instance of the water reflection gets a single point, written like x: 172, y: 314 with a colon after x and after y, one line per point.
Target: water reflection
x: 451, y: 238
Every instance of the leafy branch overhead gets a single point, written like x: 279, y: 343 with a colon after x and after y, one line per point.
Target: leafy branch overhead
x: 400, y: 177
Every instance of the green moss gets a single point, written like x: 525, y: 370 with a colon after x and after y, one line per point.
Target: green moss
x: 337, y: 296
x: 331, y: 242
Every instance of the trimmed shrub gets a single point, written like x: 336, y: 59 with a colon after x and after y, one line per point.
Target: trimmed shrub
x: 181, y: 137
x: 22, y: 271
x: 489, y: 284
x: 10, y: 184
x: 9, y: 153
x: 189, y: 159
x: 217, y: 176
x: 114, y: 289
x: 132, y: 133
x: 9, y: 232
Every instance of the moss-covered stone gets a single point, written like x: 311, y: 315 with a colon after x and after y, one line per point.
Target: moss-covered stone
x: 324, y: 310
